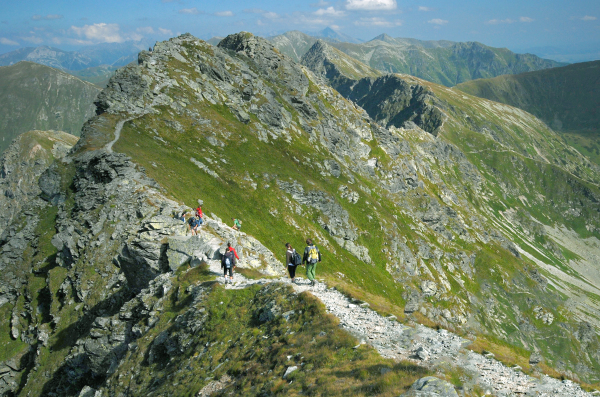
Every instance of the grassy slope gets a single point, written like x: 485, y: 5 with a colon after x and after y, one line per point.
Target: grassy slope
x: 39, y: 97
x: 565, y: 98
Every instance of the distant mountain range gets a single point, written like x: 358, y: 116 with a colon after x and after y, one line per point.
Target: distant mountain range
x: 95, y: 63
x: 565, y: 98
x: 443, y: 62
x: 113, y: 54
x: 38, y: 97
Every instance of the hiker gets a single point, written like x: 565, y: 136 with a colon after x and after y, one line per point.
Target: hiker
x: 230, y: 248
x: 228, y: 263
x: 237, y: 224
x: 312, y: 255
x: 181, y: 216
x: 292, y: 258
x: 193, y: 222
x: 199, y: 212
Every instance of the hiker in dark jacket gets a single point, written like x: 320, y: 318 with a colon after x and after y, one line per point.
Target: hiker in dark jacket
x: 194, y: 225
x: 312, y: 255
x: 228, y: 264
x: 289, y: 259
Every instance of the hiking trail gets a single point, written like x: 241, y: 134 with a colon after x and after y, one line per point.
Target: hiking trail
x: 421, y: 345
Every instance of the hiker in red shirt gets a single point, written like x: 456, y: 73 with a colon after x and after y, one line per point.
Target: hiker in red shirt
x: 199, y: 212
x: 230, y: 248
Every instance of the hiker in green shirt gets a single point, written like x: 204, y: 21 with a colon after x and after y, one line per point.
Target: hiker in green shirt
x: 312, y: 255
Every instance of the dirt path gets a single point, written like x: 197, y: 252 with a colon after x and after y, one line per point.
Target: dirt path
x: 118, y: 129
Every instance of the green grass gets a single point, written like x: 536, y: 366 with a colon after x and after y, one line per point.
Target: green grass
x: 234, y: 340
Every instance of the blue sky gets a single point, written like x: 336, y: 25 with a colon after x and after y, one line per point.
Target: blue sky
x: 567, y: 26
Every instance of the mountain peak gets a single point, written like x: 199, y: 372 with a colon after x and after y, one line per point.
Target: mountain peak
x: 385, y: 38
x: 327, y: 32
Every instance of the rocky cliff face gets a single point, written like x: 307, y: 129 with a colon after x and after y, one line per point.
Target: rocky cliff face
x: 21, y: 165
x: 441, y: 229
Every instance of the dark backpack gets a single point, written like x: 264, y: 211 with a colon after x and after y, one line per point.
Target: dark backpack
x: 228, y: 259
x: 296, y: 259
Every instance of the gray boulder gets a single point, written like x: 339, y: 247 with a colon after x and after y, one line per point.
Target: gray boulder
x: 430, y: 386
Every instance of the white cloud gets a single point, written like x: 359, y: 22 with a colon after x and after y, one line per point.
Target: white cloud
x: 329, y: 11
x: 588, y: 18
x: 371, y: 4
x: 375, y: 21
x: 145, y: 30
x: 438, y: 21
x: 193, y: 11
x: 499, y: 21
x: 5, y: 41
x: 421, y: 8
x: 48, y: 17
x: 526, y: 19
x: 100, y: 32
x: 270, y: 15
x: 166, y: 32
x: 224, y: 14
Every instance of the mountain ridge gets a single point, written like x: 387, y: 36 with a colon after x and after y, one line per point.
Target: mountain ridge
x: 459, y: 227
x: 441, y: 62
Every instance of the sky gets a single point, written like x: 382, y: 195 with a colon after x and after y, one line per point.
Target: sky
x: 543, y: 27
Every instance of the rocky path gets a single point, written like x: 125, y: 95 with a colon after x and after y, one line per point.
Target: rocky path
x: 421, y: 345
x: 118, y: 129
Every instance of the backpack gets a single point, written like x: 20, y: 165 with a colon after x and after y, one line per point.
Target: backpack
x: 313, y: 254
x: 228, y: 259
x: 296, y: 259
x: 191, y: 221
